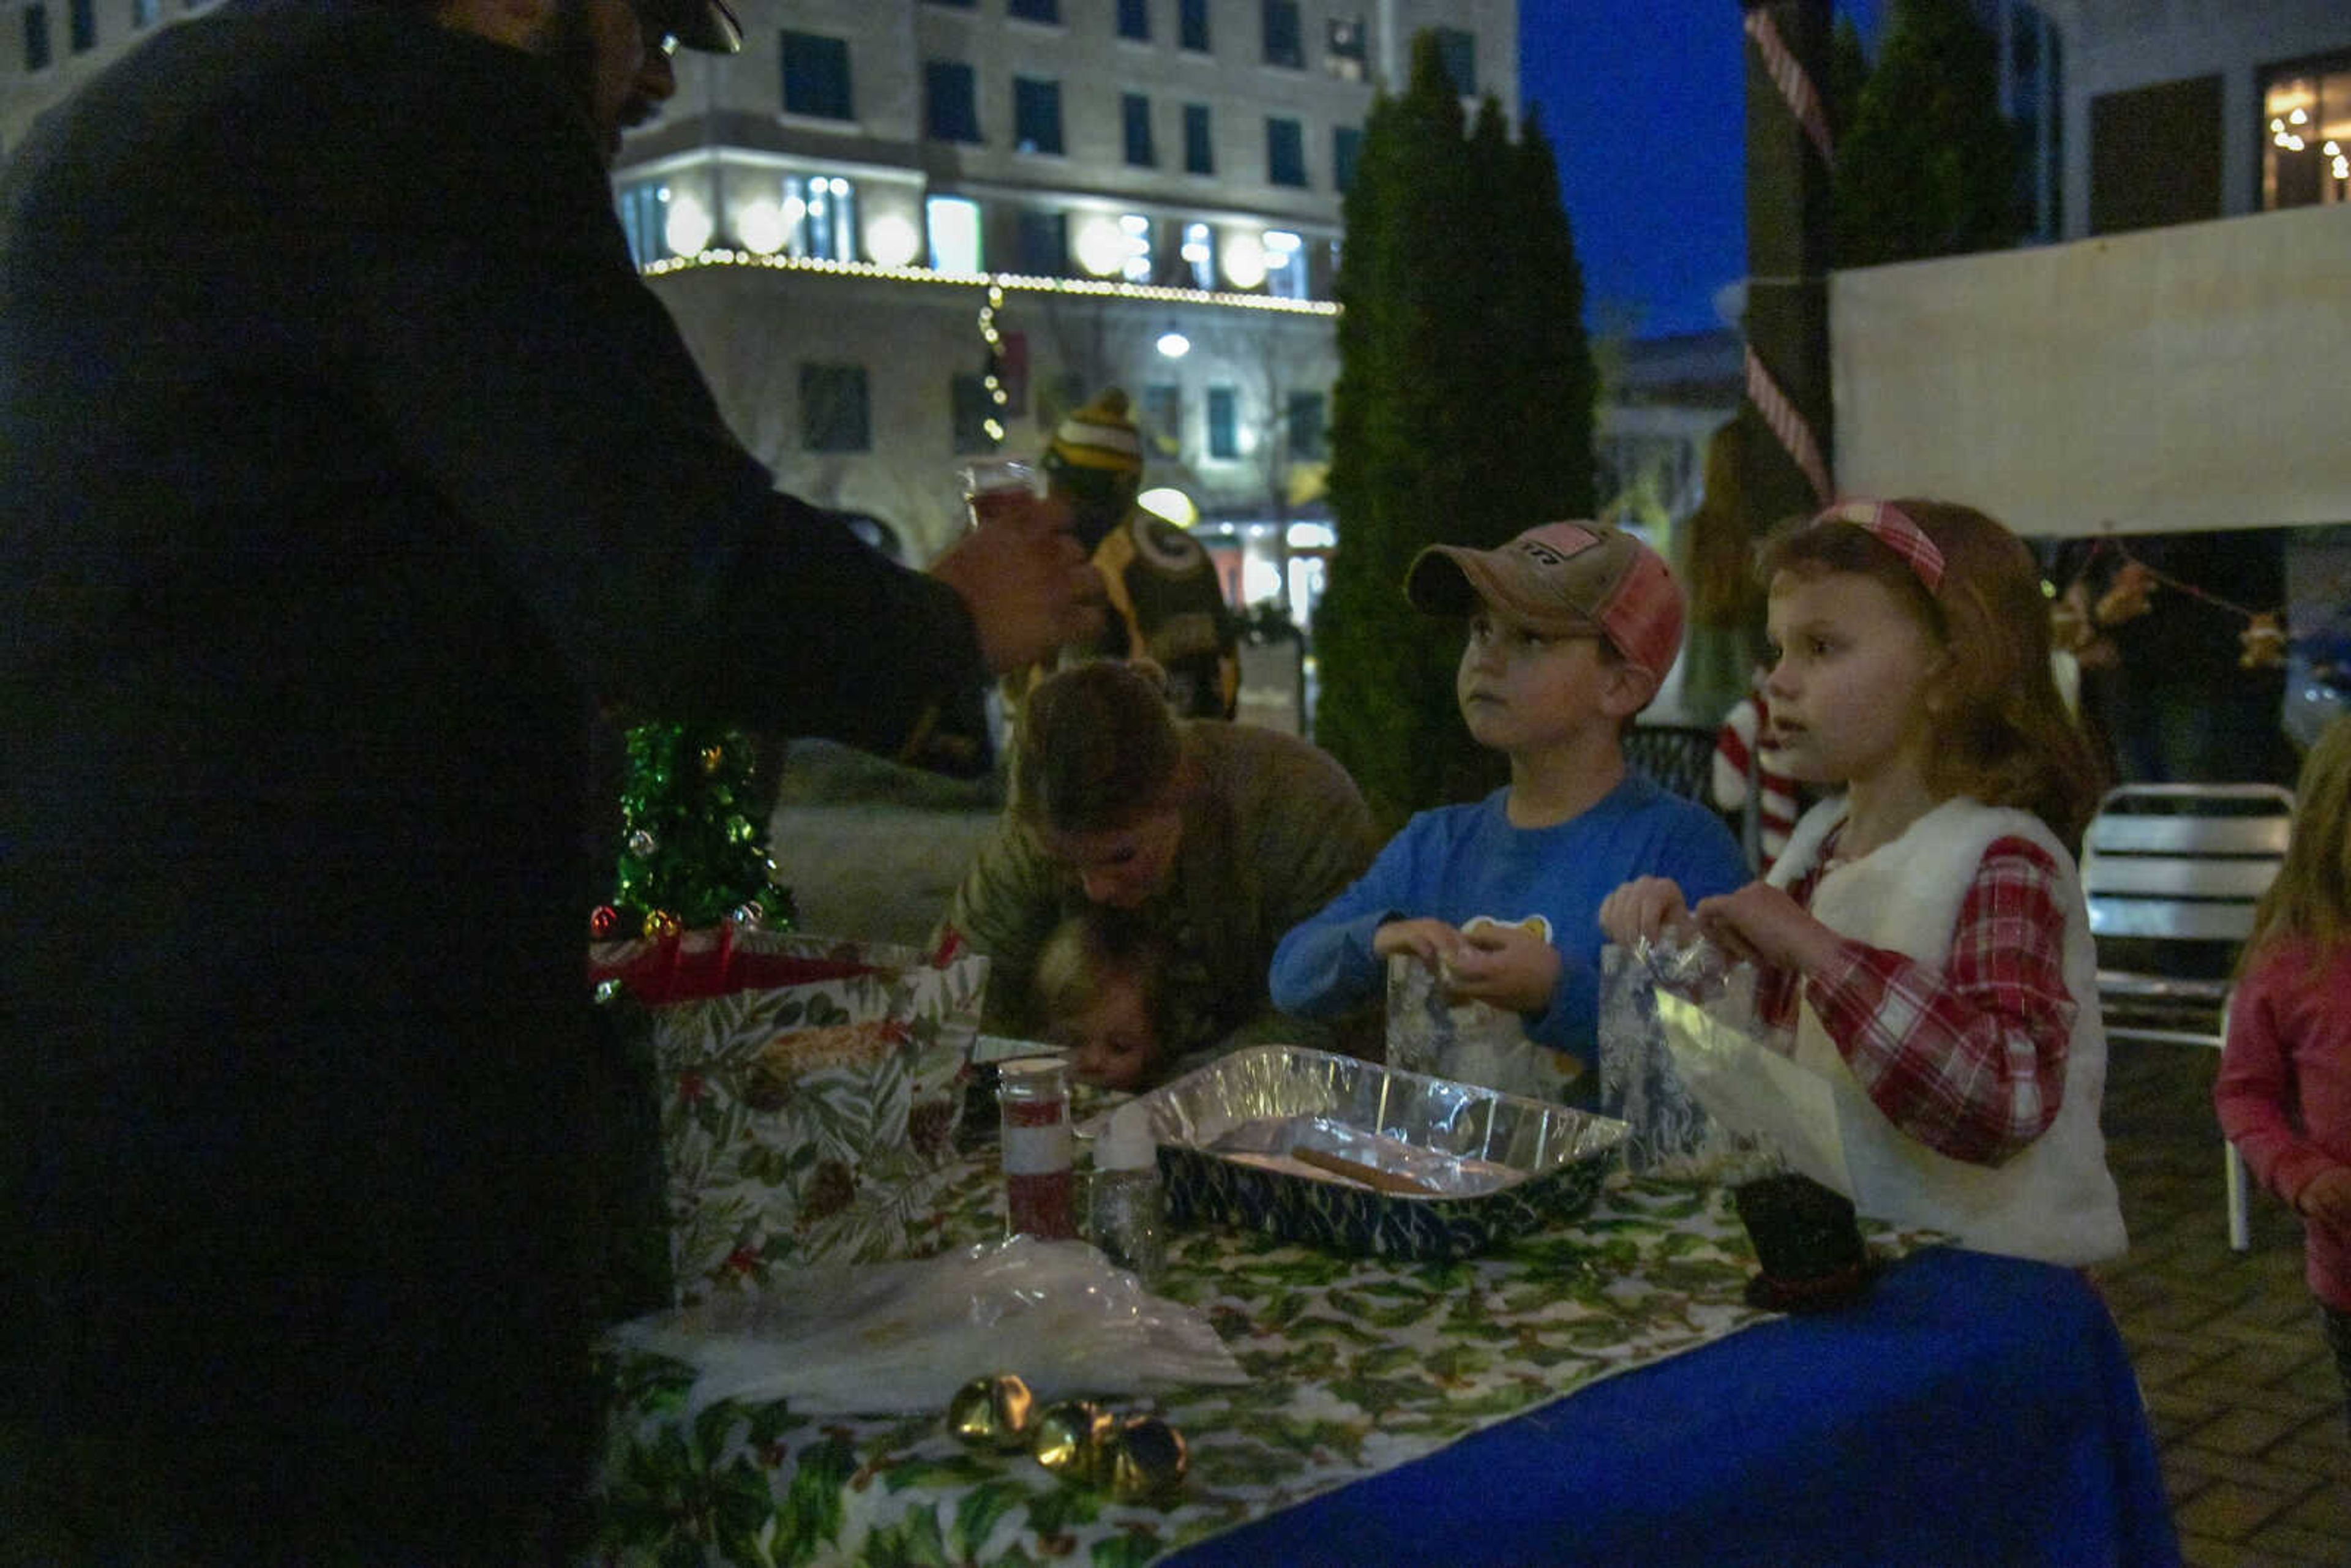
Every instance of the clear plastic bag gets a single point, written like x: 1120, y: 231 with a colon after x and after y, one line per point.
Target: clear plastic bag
x: 1469, y: 1042
x: 1672, y: 1136
x: 892, y: 1338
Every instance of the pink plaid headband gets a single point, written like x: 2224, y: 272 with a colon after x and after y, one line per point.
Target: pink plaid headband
x: 1894, y: 528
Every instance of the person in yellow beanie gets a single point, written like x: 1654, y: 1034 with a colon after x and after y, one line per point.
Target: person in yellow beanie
x: 1166, y: 602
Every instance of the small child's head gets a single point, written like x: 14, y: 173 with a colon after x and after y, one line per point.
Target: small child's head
x: 1528, y: 601
x: 1098, y: 986
x: 2311, y: 897
x: 1995, y: 727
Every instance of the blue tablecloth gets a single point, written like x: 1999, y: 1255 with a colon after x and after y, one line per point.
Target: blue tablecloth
x: 1973, y: 1409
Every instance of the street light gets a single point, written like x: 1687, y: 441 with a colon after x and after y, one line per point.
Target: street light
x: 1173, y: 343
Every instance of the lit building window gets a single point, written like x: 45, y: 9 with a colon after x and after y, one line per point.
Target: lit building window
x: 1224, y: 422
x: 1244, y: 260
x: 1285, y: 264
x: 1134, y: 230
x: 820, y: 218
x: 2306, y: 140
x: 954, y: 223
x: 1344, y: 54
x: 1199, y: 255
x: 644, y: 219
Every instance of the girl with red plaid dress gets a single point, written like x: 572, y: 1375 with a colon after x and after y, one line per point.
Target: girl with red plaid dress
x: 1923, y: 939
x: 2284, y: 1089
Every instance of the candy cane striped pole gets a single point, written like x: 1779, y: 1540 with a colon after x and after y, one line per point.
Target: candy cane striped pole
x: 1788, y: 426
x: 1788, y: 75
x: 1789, y: 155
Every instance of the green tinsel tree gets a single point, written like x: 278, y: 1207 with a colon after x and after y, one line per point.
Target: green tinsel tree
x: 691, y: 853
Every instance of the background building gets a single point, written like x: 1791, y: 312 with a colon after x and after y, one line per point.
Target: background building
x: 899, y: 233
x: 902, y: 234
x: 2143, y: 394
x: 2151, y: 375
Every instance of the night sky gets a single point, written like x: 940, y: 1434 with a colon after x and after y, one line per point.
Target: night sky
x: 1643, y: 102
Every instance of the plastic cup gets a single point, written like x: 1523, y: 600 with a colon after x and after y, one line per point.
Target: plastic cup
x: 995, y: 489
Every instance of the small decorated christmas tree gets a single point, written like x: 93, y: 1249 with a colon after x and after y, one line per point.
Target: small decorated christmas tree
x: 691, y: 853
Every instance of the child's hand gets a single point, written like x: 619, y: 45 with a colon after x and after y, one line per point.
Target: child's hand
x: 2327, y: 1199
x: 1433, y: 942
x: 1763, y: 922
x: 1648, y: 906
x: 1509, y: 967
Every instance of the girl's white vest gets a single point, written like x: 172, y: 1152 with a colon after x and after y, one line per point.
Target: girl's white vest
x: 2056, y: 1199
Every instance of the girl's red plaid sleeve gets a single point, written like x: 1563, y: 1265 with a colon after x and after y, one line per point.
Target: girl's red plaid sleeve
x: 1970, y: 1060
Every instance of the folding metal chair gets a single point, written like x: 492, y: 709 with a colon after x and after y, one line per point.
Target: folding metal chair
x: 1680, y: 756
x: 2172, y: 872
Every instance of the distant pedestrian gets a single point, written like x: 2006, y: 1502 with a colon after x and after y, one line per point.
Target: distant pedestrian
x: 1167, y: 599
x: 2284, y: 1089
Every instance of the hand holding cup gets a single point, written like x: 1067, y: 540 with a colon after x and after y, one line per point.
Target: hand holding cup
x: 998, y: 489
x: 1021, y: 568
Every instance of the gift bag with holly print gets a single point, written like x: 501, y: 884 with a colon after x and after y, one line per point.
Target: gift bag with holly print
x: 809, y: 1090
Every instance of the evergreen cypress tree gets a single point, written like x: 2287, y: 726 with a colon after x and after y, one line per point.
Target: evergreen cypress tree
x: 1848, y: 73
x: 1928, y: 166
x: 1462, y: 414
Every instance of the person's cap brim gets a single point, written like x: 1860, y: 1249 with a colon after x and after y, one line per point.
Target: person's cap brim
x: 705, y: 24
x: 1451, y: 580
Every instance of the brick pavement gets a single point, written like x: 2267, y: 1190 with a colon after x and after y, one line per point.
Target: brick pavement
x: 2246, y: 1409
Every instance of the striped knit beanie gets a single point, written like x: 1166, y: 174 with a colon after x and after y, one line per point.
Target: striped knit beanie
x: 1098, y: 436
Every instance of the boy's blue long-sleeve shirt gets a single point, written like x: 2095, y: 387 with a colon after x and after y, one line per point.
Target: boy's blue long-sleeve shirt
x: 1458, y: 862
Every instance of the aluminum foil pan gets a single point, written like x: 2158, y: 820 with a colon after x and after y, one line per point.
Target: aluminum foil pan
x: 1361, y: 1158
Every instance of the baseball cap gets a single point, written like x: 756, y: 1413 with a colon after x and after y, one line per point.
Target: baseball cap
x: 1562, y: 577
x: 705, y: 24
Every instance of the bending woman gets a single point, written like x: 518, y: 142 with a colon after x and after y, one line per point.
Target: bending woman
x: 1213, y: 839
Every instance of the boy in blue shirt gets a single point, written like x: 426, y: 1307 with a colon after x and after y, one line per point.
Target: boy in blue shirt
x: 1571, y: 627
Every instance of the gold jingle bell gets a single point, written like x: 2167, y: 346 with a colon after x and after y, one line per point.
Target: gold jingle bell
x: 992, y: 1412
x: 1073, y: 1439
x: 1148, y: 1460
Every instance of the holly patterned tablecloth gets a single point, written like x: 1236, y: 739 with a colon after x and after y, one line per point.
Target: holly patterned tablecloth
x: 1356, y: 1365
